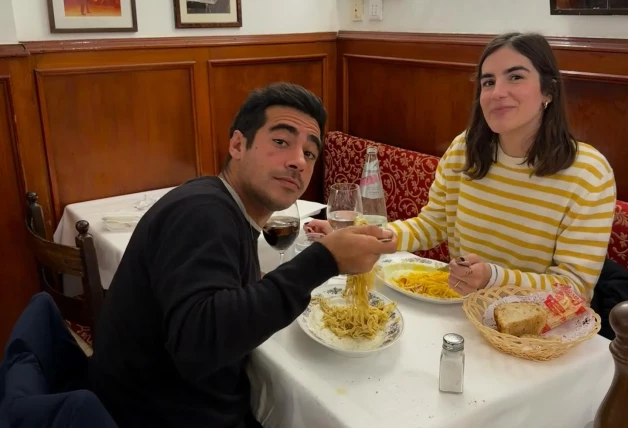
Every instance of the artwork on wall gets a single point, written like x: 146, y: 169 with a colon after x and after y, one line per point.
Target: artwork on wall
x: 589, y: 7
x: 92, y: 16
x: 207, y: 13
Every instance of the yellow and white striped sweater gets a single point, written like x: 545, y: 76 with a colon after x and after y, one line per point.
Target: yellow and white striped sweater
x: 537, y: 231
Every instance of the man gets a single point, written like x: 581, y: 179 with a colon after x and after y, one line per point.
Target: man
x: 187, y: 304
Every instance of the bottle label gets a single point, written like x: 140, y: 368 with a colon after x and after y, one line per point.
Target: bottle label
x: 371, y: 187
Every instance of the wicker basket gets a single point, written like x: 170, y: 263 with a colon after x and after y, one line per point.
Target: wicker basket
x: 529, y: 348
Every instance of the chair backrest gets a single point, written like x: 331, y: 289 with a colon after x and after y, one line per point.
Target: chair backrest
x: 55, y: 260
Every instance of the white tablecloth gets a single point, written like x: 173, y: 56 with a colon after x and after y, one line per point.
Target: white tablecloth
x: 300, y: 383
x: 110, y: 246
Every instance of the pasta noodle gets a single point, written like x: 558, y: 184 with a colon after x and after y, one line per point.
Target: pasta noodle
x: 429, y: 283
x: 358, y: 319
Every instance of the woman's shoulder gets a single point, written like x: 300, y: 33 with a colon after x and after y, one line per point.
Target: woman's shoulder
x: 458, y: 147
x: 592, y: 160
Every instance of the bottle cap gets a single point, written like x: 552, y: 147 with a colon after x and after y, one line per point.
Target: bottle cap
x: 371, y: 150
x: 453, y: 342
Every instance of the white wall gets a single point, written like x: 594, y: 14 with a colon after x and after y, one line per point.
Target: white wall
x: 155, y: 18
x: 7, y: 23
x: 482, y: 17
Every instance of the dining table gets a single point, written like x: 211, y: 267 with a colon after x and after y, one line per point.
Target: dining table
x: 297, y: 382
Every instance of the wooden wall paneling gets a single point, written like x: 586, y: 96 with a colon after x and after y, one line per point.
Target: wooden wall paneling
x: 598, y: 114
x: 231, y: 80
x: 112, y: 130
x: 415, y: 104
x: 18, y: 279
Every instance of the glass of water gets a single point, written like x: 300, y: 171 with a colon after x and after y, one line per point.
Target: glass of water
x: 305, y: 240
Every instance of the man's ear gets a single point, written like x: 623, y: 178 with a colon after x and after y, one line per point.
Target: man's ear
x: 237, y: 145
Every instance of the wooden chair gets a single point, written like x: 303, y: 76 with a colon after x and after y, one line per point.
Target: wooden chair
x: 613, y: 412
x: 55, y: 260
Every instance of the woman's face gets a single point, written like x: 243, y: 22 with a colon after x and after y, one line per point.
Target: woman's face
x: 511, y: 97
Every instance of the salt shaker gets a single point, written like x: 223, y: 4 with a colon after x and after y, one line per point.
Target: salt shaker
x: 451, y: 376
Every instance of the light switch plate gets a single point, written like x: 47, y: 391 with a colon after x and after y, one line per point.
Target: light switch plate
x: 376, y: 12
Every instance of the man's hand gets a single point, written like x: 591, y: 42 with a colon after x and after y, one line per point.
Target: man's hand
x: 357, y: 248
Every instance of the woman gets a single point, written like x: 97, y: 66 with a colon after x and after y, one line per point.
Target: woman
x: 518, y: 199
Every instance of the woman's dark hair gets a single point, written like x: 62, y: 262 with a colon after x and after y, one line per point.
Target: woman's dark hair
x: 554, y: 147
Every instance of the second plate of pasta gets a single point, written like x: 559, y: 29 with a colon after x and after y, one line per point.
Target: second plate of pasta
x: 418, y: 278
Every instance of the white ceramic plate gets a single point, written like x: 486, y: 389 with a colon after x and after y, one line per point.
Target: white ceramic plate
x: 311, y: 323
x: 392, y: 267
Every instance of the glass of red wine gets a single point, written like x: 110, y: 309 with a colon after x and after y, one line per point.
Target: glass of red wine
x: 282, y: 229
x: 344, y: 205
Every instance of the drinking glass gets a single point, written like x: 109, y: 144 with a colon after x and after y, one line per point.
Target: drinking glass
x: 282, y: 229
x: 344, y: 205
x: 305, y: 240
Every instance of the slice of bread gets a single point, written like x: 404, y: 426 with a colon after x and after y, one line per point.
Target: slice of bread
x: 518, y: 319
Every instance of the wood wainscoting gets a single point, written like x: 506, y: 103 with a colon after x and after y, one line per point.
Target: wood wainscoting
x: 415, y: 90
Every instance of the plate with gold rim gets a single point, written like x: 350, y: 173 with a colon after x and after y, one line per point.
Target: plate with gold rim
x: 311, y: 323
x: 390, y: 268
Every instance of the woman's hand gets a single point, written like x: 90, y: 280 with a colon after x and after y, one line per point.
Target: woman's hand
x: 468, y: 274
x: 318, y: 226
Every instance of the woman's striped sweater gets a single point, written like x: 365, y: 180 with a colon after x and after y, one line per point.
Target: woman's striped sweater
x: 537, y: 231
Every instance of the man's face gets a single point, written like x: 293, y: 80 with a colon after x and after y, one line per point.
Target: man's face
x: 278, y: 166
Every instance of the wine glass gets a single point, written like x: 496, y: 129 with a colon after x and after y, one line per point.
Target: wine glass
x: 344, y: 205
x: 282, y: 229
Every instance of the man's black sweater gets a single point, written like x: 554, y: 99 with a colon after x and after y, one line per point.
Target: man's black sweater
x: 187, y: 306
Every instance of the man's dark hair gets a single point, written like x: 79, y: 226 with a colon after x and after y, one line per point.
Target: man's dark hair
x: 252, y: 114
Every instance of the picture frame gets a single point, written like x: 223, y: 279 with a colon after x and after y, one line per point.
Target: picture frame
x: 207, y: 13
x: 92, y: 16
x: 588, y: 7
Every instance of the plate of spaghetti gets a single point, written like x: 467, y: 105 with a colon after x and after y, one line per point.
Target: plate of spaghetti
x: 353, y: 320
x: 418, y: 278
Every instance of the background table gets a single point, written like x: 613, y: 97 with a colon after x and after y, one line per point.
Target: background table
x: 110, y: 246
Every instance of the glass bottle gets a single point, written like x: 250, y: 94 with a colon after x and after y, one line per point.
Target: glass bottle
x: 372, y: 190
x: 451, y: 375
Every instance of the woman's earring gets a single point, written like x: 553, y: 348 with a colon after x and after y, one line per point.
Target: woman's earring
x: 545, y: 104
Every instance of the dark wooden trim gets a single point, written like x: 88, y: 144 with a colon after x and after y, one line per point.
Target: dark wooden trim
x: 265, y: 60
x: 563, y: 43
x: 7, y: 51
x: 54, y: 29
x: 55, y: 46
x: 179, y: 24
x: 41, y: 74
x: 595, y: 77
x: 15, y: 147
x: 416, y: 62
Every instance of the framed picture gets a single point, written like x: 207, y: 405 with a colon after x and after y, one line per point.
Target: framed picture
x: 207, y: 13
x: 92, y: 16
x: 589, y: 7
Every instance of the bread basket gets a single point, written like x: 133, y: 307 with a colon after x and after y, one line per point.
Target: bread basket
x: 529, y: 348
